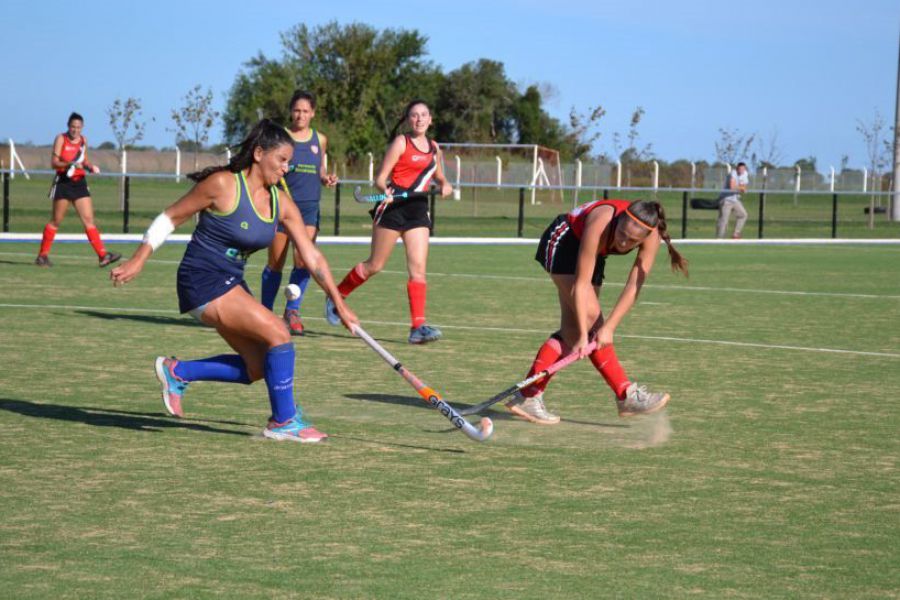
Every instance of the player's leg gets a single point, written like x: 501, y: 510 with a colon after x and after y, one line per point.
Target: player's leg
x: 85, y: 209
x: 415, y: 242
x: 57, y: 214
x: 268, y: 353
x: 300, y: 277
x: 271, y: 275
x: 383, y: 242
x: 724, y: 214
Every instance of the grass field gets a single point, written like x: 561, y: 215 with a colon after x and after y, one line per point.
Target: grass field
x: 481, y: 212
x: 772, y: 474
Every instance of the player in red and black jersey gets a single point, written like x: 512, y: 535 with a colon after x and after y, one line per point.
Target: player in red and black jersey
x: 410, y: 164
x: 573, y: 250
x: 69, y: 158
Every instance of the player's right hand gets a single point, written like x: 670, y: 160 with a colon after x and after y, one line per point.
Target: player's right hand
x: 126, y: 272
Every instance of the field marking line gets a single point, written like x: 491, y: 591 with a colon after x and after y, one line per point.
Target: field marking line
x: 498, y: 329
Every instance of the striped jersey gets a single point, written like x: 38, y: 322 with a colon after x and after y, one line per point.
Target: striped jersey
x: 577, y: 217
x: 414, y: 168
x: 71, y: 152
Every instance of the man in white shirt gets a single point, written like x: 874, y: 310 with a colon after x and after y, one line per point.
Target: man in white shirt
x: 730, y: 200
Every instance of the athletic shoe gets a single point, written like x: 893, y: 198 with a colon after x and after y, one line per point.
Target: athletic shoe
x: 43, y: 260
x: 424, y: 334
x: 331, y: 314
x: 638, y: 401
x: 532, y: 409
x: 293, y: 322
x: 109, y: 258
x: 173, y: 387
x: 294, y: 430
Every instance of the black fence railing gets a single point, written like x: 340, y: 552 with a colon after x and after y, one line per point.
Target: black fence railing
x: 485, y: 210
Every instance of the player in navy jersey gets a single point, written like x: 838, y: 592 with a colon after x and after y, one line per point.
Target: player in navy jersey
x: 304, y: 182
x: 409, y: 165
x: 70, y: 161
x: 239, y: 207
x: 573, y: 250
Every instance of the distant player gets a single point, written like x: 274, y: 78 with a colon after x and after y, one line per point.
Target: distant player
x: 573, y: 250
x: 70, y: 160
x: 239, y: 210
x: 730, y: 201
x: 411, y: 162
x: 304, y: 181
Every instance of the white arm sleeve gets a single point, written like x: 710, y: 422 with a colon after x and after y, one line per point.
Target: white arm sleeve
x: 158, y: 231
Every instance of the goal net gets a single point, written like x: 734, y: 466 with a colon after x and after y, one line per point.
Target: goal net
x: 522, y: 165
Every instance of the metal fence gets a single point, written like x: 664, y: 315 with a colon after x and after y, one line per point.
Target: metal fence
x: 482, y: 210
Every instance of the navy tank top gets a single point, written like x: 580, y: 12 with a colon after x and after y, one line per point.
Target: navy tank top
x: 222, y: 241
x: 302, y: 179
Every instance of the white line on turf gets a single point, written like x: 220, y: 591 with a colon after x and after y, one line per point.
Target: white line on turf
x: 497, y: 329
x: 650, y: 286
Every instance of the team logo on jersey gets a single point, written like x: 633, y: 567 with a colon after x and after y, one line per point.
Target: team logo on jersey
x: 314, y: 149
x: 417, y: 158
x: 245, y: 225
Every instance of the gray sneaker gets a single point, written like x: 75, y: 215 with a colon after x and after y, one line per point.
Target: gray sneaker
x: 43, y: 261
x: 424, y: 334
x: 638, y: 401
x: 532, y: 409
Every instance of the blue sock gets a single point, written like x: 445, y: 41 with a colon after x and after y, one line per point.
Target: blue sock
x: 300, y: 278
x: 279, y: 371
x: 271, y: 282
x: 229, y: 368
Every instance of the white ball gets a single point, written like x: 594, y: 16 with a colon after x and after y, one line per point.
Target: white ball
x: 292, y: 291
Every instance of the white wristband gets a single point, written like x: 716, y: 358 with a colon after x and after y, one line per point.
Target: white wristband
x: 159, y: 230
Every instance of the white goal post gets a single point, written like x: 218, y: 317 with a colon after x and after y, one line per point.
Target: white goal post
x: 527, y: 165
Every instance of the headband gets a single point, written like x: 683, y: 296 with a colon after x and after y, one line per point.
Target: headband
x: 639, y: 222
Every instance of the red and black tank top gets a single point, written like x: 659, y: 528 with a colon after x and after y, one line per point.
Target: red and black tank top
x: 414, y: 169
x: 578, y: 216
x: 70, y: 153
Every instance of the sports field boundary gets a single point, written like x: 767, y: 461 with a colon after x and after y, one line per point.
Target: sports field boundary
x: 181, y: 238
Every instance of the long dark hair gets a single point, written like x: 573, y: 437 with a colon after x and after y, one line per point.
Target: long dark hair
x: 653, y: 215
x: 405, y: 116
x: 302, y: 95
x: 266, y: 134
x: 74, y: 117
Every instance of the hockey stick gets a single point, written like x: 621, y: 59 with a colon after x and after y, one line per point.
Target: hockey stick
x: 431, y: 397
x: 74, y: 164
x: 373, y: 198
x: 557, y: 366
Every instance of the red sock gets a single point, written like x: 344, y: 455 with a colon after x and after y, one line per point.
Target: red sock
x: 47, y: 240
x: 355, y: 278
x: 94, y: 238
x: 549, y: 353
x: 607, y: 363
x: 416, y: 291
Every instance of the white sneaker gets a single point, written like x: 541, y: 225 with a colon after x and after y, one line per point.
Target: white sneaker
x: 638, y: 401
x: 532, y: 409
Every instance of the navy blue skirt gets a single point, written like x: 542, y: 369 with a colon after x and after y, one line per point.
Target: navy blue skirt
x: 197, y: 287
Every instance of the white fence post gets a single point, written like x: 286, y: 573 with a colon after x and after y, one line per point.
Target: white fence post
x: 12, y: 158
x: 655, y: 175
x: 177, y: 164
x: 865, y: 180
x: 122, y: 180
x: 499, y: 170
x: 831, y: 185
x: 693, y: 174
x: 457, y: 193
x: 578, y: 167
x: 618, y: 173
x: 797, y: 173
x: 371, y: 168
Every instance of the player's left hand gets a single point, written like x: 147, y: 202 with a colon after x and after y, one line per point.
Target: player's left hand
x: 348, y: 317
x: 330, y: 180
x: 95, y: 169
x: 446, y: 189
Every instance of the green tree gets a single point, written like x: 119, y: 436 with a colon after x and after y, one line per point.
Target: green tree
x: 193, y: 120
x: 476, y: 104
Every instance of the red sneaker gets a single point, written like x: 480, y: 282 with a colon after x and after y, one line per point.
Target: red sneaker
x: 293, y: 322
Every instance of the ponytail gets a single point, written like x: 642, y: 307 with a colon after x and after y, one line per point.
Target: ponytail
x: 265, y: 134
x: 406, y: 110
x: 653, y: 215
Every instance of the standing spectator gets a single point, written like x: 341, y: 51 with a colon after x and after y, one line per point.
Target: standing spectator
x: 69, y: 158
x: 730, y: 200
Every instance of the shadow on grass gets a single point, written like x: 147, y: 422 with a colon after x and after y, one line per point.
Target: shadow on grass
x: 154, y: 320
x: 102, y: 417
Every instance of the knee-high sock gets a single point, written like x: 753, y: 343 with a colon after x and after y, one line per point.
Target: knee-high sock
x: 93, y: 236
x: 271, y: 281
x: 300, y: 278
x: 47, y: 239
x: 279, y: 370
x: 228, y: 368
x: 417, y: 292
x: 605, y: 361
x: 548, y: 354
x: 355, y: 278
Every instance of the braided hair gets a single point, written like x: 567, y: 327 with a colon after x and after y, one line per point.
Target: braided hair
x: 651, y: 213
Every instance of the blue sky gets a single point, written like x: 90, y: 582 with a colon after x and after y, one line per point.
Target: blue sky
x: 806, y: 73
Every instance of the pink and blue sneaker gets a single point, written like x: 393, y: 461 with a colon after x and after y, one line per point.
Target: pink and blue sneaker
x: 294, y: 429
x: 173, y: 387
